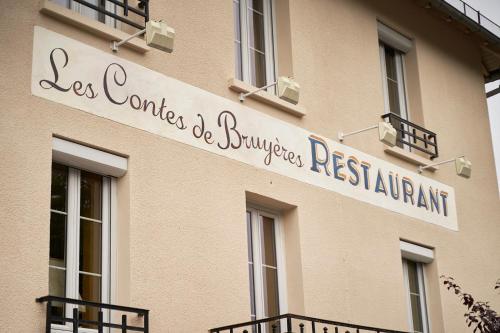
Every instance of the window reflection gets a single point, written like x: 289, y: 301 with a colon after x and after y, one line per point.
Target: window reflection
x: 90, y: 195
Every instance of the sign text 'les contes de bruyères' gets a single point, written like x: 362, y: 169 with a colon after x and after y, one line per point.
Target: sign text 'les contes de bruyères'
x: 72, y: 73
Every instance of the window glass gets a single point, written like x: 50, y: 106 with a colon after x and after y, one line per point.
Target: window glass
x: 90, y: 246
x: 59, y: 188
x: 258, y: 65
x: 256, y: 5
x: 57, y: 248
x: 256, y: 25
x: 90, y: 195
x: 89, y: 290
x: 57, y: 240
x: 57, y: 287
x: 392, y: 80
x: 268, y: 245
x: 269, y: 267
x: 272, y: 307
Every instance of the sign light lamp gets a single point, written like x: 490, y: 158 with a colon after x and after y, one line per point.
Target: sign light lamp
x: 463, y: 167
x: 288, y: 90
x: 386, y: 133
x: 158, y: 35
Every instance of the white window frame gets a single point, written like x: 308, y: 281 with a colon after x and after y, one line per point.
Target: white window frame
x: 269, y: 42
x: 421, y: 256
x: 256, y: 214
x: 79, y: 157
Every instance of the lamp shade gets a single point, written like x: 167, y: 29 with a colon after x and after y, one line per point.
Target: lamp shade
x: 464, y: 167
x: 288, y: 89
x: 160, y: 36
x: 387, y: 133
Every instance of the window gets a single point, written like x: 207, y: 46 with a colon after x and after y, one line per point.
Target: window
x: 79, y: 260
x: 394, y: 80
x: 265, y: 265
x: 414, y: 259
x: 414, y: 280
x: 91, y: 13
x: 254, y: 41
x: 392, y: 64
x: 393, y: 47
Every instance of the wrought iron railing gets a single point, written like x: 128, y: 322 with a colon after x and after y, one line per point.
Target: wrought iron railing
x: 413, y: 136
x: 141, y: 9
x: 102, y: 322
x: 288, y: 323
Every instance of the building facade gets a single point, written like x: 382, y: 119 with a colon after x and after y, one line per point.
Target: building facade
x: 139, y: 179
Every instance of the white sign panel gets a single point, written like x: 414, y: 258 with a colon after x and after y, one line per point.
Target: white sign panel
x: 72, y: 73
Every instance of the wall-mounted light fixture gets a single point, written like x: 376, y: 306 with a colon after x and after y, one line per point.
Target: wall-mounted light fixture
x: 158, y: 35
x: 288, y: 90
x: 386, y: 133
x: 463, y: 166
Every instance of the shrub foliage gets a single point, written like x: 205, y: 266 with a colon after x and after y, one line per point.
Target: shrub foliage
x: 480, y: 316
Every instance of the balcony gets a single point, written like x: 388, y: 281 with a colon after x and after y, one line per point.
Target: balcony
x: 55, y: 315
x: 122, y: 11
x: 412, y: 136
x: 291, y: 323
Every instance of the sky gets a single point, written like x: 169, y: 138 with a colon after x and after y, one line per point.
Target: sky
x: 491, y: 9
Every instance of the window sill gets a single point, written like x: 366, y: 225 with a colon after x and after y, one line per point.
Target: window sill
x: 266, y: 98
x: 409, y: 157
x: 68, y: 16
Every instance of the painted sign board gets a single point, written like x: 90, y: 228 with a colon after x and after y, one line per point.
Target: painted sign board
x: 77, y: 75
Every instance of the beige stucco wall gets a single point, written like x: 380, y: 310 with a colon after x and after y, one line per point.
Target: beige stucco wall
x: 182, y: 237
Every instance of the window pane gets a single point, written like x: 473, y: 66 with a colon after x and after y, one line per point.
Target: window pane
x: 90, y: 195
x: 269, y: 243
x: 416, y: 312
x: 89, y: 290
x: 57, y: 282
x: 57, y: 287
x: 90, y: 246
x: 57, y: 252
x: 258, y: 68
x: 256, y: 31
x: 59, y: 187
x: 413, y: 277
x: 390, y: 63
x: 392, y: 89
x: 271, y: 306
x: 257, y: 5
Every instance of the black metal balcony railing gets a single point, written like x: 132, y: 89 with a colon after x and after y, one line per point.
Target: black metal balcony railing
x: 413, y: 136
x: 291, y: 323
x: 98, y: 324
x: 142, y: 10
